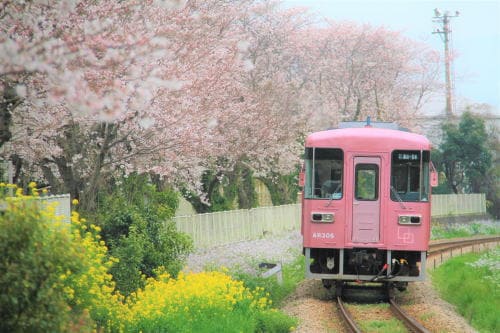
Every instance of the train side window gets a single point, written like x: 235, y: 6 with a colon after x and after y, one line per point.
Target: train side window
x: 410, y: 175
x: 323, y: 173
x: 366, y: 182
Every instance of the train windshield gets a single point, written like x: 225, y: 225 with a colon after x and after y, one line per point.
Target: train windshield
x: 324, y: 169
x: 410, y: 175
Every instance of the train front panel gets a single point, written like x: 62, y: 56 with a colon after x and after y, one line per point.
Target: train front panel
x: 366, y: 205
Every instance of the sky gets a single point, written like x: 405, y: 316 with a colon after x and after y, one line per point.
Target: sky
x: 475, y: 38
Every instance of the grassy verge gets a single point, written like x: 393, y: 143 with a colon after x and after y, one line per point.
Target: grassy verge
x: 272, y: 320
x: 465, y: 230
x: 293, y: 273
x: 472, y: 283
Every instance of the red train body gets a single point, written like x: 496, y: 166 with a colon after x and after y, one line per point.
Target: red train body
x: 366, y: 204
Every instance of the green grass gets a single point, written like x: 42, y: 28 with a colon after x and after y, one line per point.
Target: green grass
x: 465, y: 230
x: 293, y: 273
x: 274, y: 320
x: 472, y: 283
x: 382, y: 325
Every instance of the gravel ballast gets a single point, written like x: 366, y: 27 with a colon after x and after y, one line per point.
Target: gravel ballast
x: 247, y: 255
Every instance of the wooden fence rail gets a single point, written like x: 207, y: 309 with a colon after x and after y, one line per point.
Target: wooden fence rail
x: 213, y: 229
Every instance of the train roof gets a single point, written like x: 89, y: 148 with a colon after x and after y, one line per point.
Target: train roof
x: 368, y: 138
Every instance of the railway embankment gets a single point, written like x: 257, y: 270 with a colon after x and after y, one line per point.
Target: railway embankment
x: 310, y: 302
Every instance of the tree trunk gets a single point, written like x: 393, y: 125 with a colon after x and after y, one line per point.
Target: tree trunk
x: 10, y: 100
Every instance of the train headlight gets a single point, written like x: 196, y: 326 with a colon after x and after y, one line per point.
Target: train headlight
x: 323, y: 217
x: 410, y: 219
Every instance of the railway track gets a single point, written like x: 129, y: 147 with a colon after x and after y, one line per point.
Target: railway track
x: 410, y: 323
x: 441, y: 250
x: 347, y: 317
x: 436, y: 250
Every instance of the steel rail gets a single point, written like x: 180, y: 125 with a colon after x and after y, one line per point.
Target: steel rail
x: 347, y: 316
x: 436, y: 247
x: 439, y: 248
x: 410, y: 323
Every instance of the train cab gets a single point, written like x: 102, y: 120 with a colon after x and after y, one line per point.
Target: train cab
x: 366, y: 203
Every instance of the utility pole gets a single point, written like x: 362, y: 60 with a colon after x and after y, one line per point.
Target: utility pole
x: 445, y: 33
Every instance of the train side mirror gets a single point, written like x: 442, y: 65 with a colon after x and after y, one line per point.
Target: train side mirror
x: 301, y: 177
x: 434, y: 176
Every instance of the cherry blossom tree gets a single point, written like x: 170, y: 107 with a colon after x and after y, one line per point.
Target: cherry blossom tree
x: 131, y: 86
x: 92, y: 89
x: 357, y: 71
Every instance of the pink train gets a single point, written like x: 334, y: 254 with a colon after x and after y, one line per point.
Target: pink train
x: 366, y: 204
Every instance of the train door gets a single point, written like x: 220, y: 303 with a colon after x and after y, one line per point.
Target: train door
x: 366, y: 200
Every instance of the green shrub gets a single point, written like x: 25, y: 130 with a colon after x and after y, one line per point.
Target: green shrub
x: 274, y: 321
x: 231, y: 189
x: 55, y: 278
x: 135, y: 225
x: 283, y: 188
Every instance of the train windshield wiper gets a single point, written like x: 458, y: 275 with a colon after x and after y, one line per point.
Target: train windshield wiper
x: 334, y: 194
x: 396, y: 194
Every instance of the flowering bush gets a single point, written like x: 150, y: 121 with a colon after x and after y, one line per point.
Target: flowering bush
x: 202, y: 302
x: 53, y: 275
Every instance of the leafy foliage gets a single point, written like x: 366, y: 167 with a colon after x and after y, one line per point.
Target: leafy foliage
x: 231, y: 189
x: 468, y: 160
x: 55, y: 278
x: 293, y: 273
x: 283, y: 188
x: 53, y: 275
x: 136, y: 227
x: 464, y: 154
x: 31, y: 293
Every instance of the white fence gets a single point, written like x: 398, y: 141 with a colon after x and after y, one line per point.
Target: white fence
x: 62, y: 207
x: 458, y: 204
x: 226, y: 227
x: 61, y: 204
x: 221, y: 228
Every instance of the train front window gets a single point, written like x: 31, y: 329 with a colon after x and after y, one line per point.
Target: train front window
x: 324, y: 169
x: 410, y: 175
